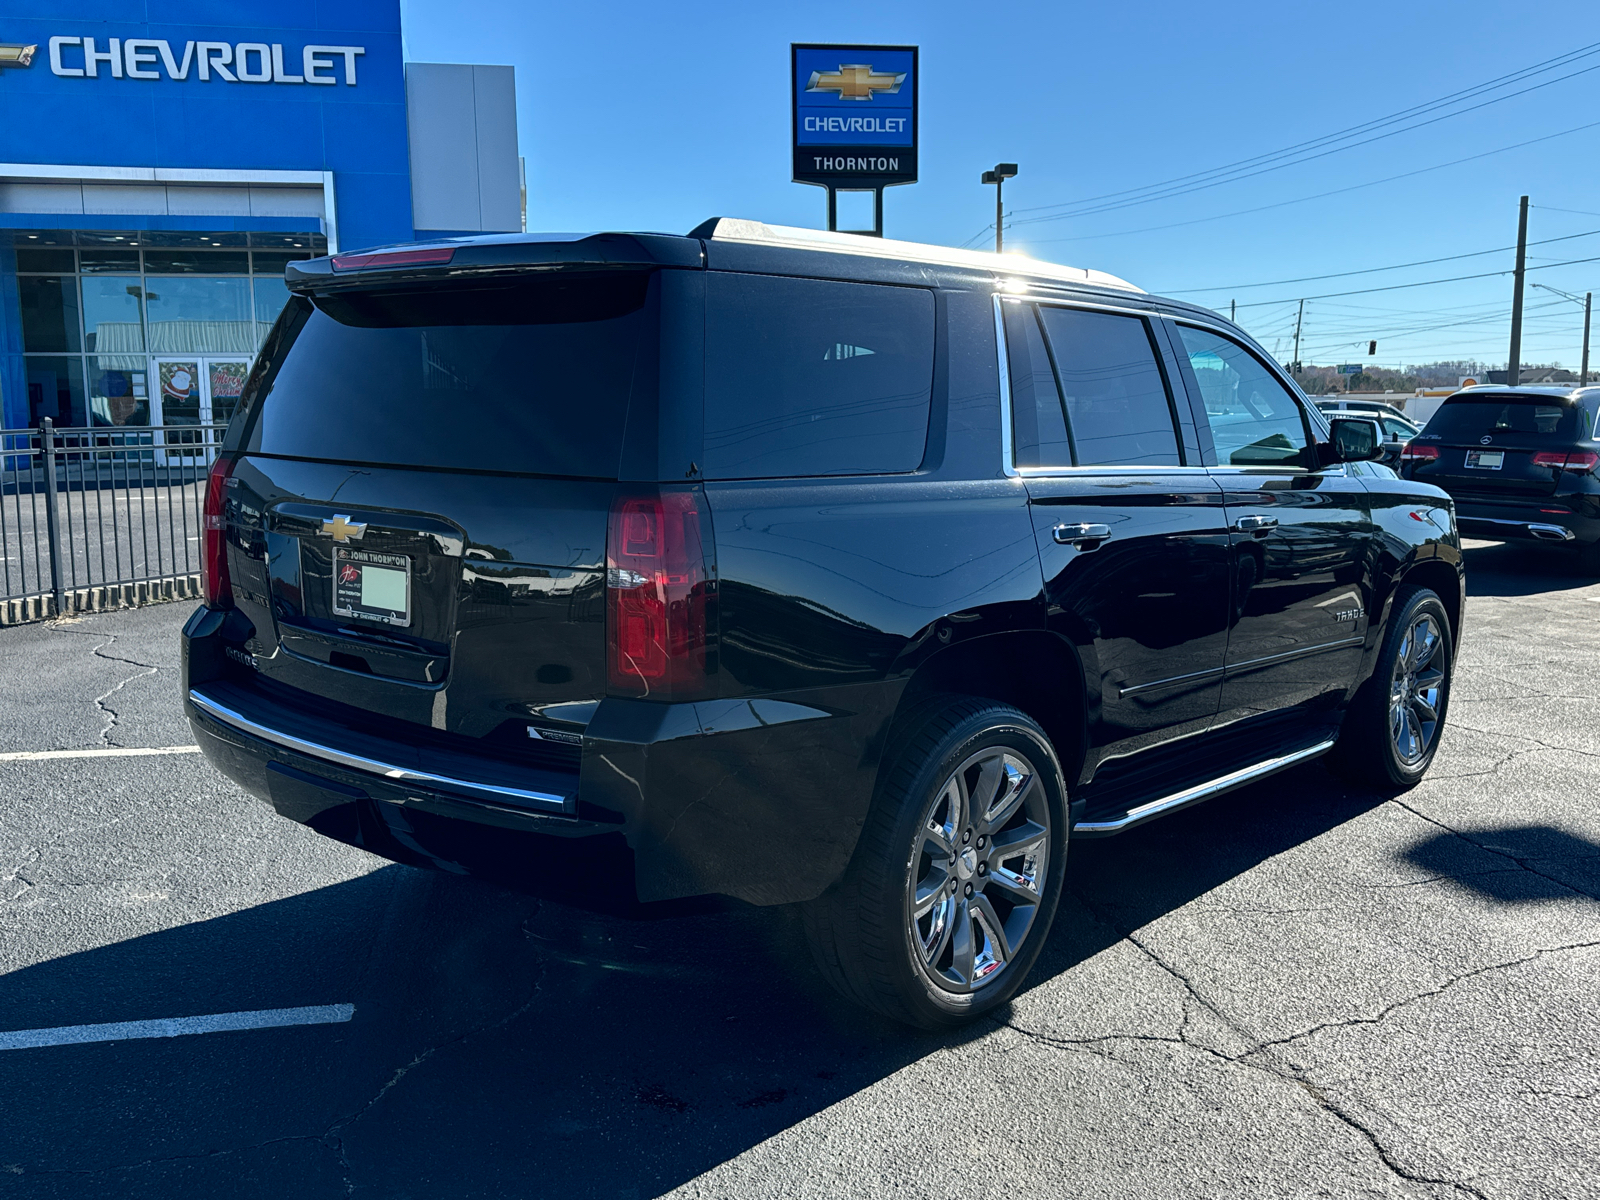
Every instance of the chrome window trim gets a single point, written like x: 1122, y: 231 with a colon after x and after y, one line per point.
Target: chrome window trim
x: 356, y: 762
x: 1008, y: 449
x: 1105, y: 469
x: 1092, y: 305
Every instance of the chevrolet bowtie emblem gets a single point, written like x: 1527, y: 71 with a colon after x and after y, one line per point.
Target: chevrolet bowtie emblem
x: 343, y: 529
x: 17, y: 56
x: 855, y: 82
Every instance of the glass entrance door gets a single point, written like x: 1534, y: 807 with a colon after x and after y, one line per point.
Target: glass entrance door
x: 224, y: 384
x: 178, y: 402
x: 195, y: 391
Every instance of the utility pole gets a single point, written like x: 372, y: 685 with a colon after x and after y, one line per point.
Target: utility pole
x: 1514, y: 362
x: 1583, y: 371
x: 1233, y: 311
x: 998, y: 177
x: 1298, y: 318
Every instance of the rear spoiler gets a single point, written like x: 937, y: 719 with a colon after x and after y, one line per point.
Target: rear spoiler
x: 494, y: 255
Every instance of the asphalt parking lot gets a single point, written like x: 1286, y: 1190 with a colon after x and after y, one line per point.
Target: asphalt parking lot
x: 1300, y: 989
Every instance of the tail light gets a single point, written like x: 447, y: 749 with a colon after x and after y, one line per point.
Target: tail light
x: 214, y: 582
x: 658, y: 590
x: 1418, y: 452
x: 1577, y: 460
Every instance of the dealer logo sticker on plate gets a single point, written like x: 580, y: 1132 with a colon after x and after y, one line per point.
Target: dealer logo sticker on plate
x: 1486, y: 460
x: 372, y: 586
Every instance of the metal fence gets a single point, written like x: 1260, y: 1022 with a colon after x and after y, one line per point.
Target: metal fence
x: 101, y: 517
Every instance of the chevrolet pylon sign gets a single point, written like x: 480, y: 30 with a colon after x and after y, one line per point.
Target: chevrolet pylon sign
x: 855, y: 115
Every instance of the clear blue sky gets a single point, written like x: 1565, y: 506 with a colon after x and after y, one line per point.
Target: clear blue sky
x: 654, y: 116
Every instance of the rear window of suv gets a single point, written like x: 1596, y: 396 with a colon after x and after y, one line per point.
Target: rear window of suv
x: 1475, y: 417
x: 520, y: 376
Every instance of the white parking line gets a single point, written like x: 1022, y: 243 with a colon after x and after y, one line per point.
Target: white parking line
x: 122, y: 1031
x: 100, y: 752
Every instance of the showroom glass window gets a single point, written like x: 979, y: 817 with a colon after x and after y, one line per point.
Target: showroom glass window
x: 105, y: 318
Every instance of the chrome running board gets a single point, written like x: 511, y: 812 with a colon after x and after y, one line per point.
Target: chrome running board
x: 1200, y: 791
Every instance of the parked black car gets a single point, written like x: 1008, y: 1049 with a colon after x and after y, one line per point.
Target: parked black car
x: 802, y: 568
x: 1520, y: 464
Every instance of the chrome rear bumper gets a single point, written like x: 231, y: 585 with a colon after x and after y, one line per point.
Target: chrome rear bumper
x: 490, y: 793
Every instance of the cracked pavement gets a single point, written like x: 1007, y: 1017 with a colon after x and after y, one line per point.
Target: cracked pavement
x: 1298, y: 989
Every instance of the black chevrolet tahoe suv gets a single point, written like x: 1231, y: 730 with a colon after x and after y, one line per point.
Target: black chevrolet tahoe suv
x: 800, y: 568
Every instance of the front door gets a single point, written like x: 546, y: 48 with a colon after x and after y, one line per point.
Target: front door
x: 1300, y: 535
x: 1132, y: 538
x: 195, y: 393
x: 224, y: 384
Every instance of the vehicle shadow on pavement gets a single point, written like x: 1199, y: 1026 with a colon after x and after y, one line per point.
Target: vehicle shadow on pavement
x: 507, y: 1045
x: 1116, y: 885
x: 1518, y: 569
x: 1518, y: 864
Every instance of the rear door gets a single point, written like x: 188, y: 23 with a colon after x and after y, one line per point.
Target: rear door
x: 1300, y: 538
x: 426, y: 480
x: 1488, y: 444
x: 1130, y: 531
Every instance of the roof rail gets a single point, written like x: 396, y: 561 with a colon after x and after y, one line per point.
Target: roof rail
x: 735, y: 229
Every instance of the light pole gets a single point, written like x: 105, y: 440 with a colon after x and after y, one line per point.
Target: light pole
x: 1587, y: 302
x: 998, y: 177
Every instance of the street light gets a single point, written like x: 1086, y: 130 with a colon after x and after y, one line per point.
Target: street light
x: 1583, y: 371
x: 998, y: 177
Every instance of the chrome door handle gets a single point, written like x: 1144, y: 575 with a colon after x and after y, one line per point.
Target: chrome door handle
x: 1255, y: 524
x: 1081, y: 536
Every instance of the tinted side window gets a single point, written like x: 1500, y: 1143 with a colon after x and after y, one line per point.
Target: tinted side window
x: 1040, y: 429
x: 1254, y: 420
x: 807, y: 377
x: 1117, y: 404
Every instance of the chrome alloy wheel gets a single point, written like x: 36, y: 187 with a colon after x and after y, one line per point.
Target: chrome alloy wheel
x: 978, y: 869
x: 1416, y: 690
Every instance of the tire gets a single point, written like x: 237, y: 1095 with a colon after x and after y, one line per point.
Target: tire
x: 1388, y: 740
x: 949, y: 896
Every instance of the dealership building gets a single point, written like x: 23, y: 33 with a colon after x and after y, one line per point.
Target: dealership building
x: 156, y: 176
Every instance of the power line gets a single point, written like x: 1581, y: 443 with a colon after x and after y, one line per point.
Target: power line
x: 1395, y: 334
x: 1165, y: 192
x: 1395, y: 287
x: 1351, y: 131
x: 1421, y: 262
x: 1355, y: 187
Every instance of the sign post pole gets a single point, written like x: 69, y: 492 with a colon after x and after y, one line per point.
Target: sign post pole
x: 853, y: 121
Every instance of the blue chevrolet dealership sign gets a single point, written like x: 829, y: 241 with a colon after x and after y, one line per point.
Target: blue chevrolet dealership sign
x: 854, y: 115
x: 251, y: 85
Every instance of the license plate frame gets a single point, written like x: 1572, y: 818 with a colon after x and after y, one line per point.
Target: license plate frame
x: 358, y: 595
x: 1479, y: 460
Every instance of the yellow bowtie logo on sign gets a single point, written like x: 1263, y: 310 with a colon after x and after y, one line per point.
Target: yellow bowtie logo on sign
x: 856, y: 82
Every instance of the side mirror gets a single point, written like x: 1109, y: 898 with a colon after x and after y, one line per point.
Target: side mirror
x: 1354, y: 440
